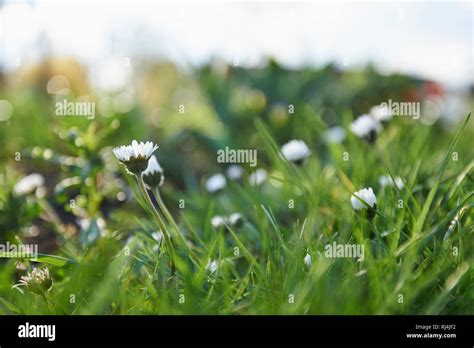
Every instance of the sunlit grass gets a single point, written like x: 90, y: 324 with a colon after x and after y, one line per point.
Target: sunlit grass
x: 411, y: 264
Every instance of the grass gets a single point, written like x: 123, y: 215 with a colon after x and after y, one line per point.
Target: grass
x: 418, y: 247
x: 408, y: 268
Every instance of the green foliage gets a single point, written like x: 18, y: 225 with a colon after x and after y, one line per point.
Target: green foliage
x: 107, y: 259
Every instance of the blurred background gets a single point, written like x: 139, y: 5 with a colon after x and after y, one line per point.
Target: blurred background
x: 193, y: 76
x: 432, y: 39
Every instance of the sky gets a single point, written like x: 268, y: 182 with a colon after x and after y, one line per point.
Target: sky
x: 431, y: 39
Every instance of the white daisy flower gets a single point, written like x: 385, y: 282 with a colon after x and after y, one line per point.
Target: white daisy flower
x: 258, y: 177
x: 307, y: 260
x: 217, y: 221
x: 366, y: 127
x: 380, y: 114
x: 235, y: 172
x: 216, y: 183
x: 386, y: 180
x: 28, y: 184
x: 335, y: 135
x: 367, y: 195
x: 236, y: 219
x: 135, y: 156
x: 212, y: 266
x: 295, y: 151
x: 153, y: 175
x: 157, y: 235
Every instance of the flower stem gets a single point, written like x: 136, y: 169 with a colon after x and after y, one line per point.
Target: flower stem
x: 170, y: 219
x: 161, y: 223
x: 165, y: 210
x: 48, y: 302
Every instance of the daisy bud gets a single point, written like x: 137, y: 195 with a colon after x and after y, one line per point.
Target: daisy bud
x: 135, y: 156
x: 258, y: 177
x: 386, y: 180
x: 295, y: 151
x: 153, y: 175
x: 158, y: 237
x: 335, y: 135
x: 216, y: 183
x: 307, y: 260
x: 212, y: 266
x: 236, y: 219
x: 217, y: 222
x: 37, y: 281
x: 366, y: 127
x: 368, y: 196
x: 28, y: 184
x: 235, y: 172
